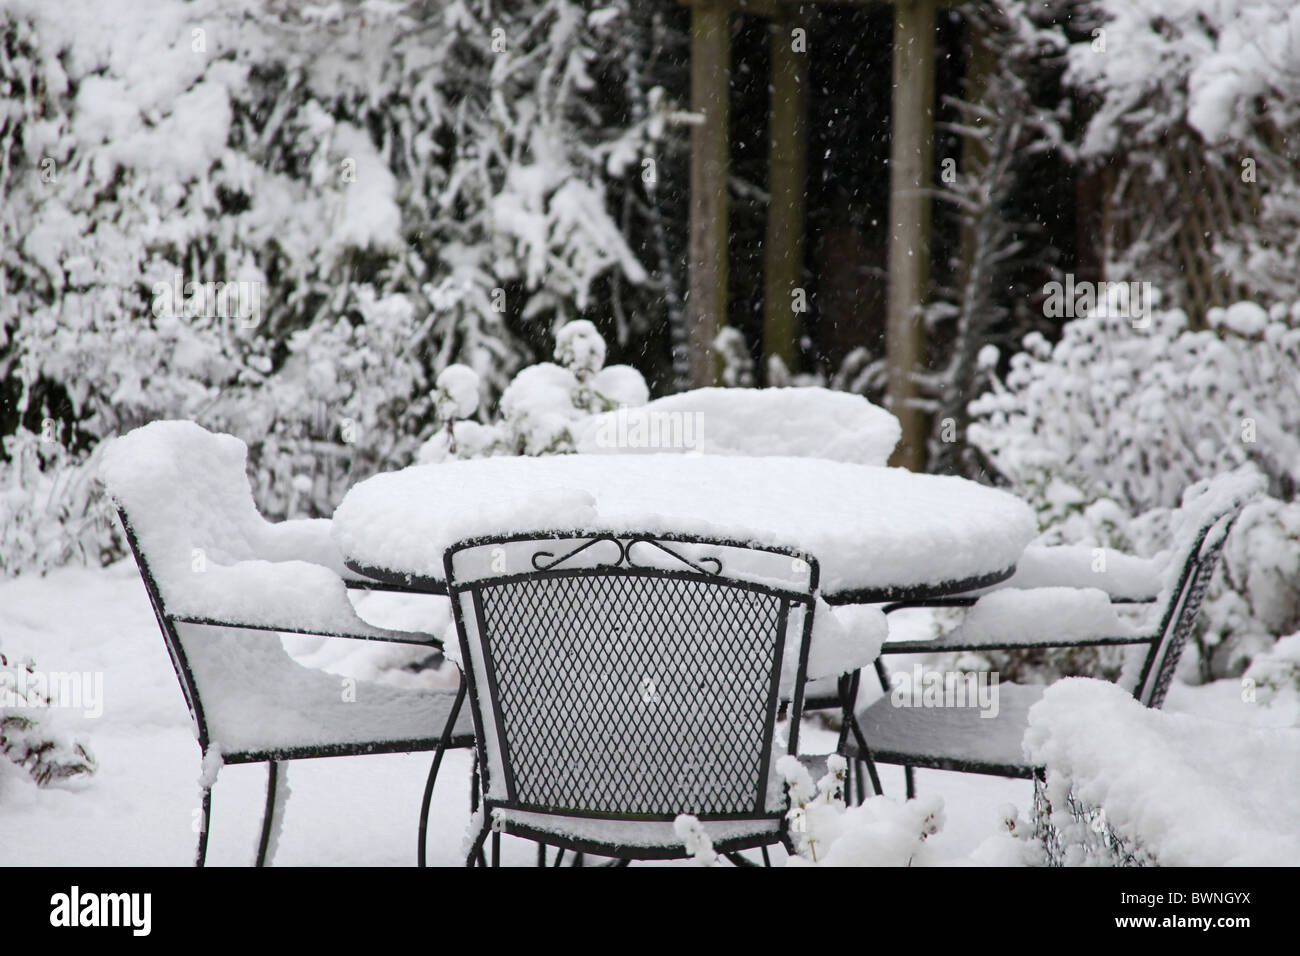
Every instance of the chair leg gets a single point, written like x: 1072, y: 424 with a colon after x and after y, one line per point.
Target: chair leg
x: 910, y: 777
x: 861, y: 788
x: 473, y: 856
x: 205, y: 816
x: 474, y: 784
x: 864, y: 754
x: 559, y: 856
x: 496, y: 848
x: 882, y: 675
x: 767, y: 860
x: 848, y: 688
x: 541, y: 854
x: 433, y: 774
x: 268, y: 816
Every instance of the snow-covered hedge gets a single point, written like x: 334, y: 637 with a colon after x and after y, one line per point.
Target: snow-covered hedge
x: 543, y: 407
x: 1102, y: 432
x: 1220, y: 81
x: 28, y: 738
x: 282, y: 221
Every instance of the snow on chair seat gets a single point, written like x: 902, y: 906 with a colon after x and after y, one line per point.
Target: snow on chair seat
x: 1035, y: 617
x: 639, y: 839
x: 259, y: 704
x: 759, y: 422
x: 186, y: 495
x: 1123, y: 577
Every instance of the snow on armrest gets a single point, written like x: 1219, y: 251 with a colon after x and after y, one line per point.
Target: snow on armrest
x: 283, y: 595
x: 1122, y: 576
x: 304, y: 539
x: 1187, y: 790
x: 1015, y: 616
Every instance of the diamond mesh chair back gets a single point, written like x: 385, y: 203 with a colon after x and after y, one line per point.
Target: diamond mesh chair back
x: 1184, y: 605
x: 631, y: 677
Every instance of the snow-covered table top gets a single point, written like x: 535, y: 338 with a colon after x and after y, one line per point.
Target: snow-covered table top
x: 879, y: 534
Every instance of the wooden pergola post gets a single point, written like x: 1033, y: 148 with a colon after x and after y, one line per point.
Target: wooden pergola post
x: 710, y: 84
x: 981, y: 64
x: 911, y: 144
x: 787, y: 162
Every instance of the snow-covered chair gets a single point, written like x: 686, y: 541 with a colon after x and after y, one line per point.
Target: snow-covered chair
x: 967, y: 738
x: 620, y: 681
x: 760, y: 422
x: 1125, y: 785
x: 220, y: 577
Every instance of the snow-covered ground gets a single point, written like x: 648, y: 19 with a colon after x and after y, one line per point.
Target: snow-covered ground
x: 140, y: 807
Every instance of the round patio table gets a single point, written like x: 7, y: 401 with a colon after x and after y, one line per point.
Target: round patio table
x: 879, y: 534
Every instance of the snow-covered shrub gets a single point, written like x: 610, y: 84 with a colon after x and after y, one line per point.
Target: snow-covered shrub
x: 737, y: 363
x: 26, y: 739
x: 1213, y: 84
x: 696, y: 839
x: 51, y: 511
x: 878, y: 832
x: 1102, y: 432
x: 1275, y: 675
x: 543, y: 405
x: 283, y: 221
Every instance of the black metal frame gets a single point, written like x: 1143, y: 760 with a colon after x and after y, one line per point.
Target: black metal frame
x: 547, y: 565
x: 274, y: 758
x: 920, y: 594
x: 1166, y: 643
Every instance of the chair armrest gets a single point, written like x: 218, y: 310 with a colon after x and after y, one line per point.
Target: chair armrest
x: 295, y: 597
x: 382, y: 634
x: 301, y: 539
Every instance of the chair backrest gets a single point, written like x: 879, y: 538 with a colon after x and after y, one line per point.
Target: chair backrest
x: 171, y: 637
x: 632, y: 676
x: 1184, y: 603
x: 179, y: 487
x: 184, y: 488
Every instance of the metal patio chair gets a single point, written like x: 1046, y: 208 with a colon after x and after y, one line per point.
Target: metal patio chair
x: 961, y: 739
x: 619, y: 681
x: 249, y: 700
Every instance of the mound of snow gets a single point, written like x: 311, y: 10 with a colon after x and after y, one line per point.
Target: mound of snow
x: 1187, y: 790
x: 795, y: 422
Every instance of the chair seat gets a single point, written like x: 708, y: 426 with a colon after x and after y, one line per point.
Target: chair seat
x: 260, y: 704
x: 650, y: 839
x: 950, y: 738
x: 646, y: 839
x: 1033, y: 617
